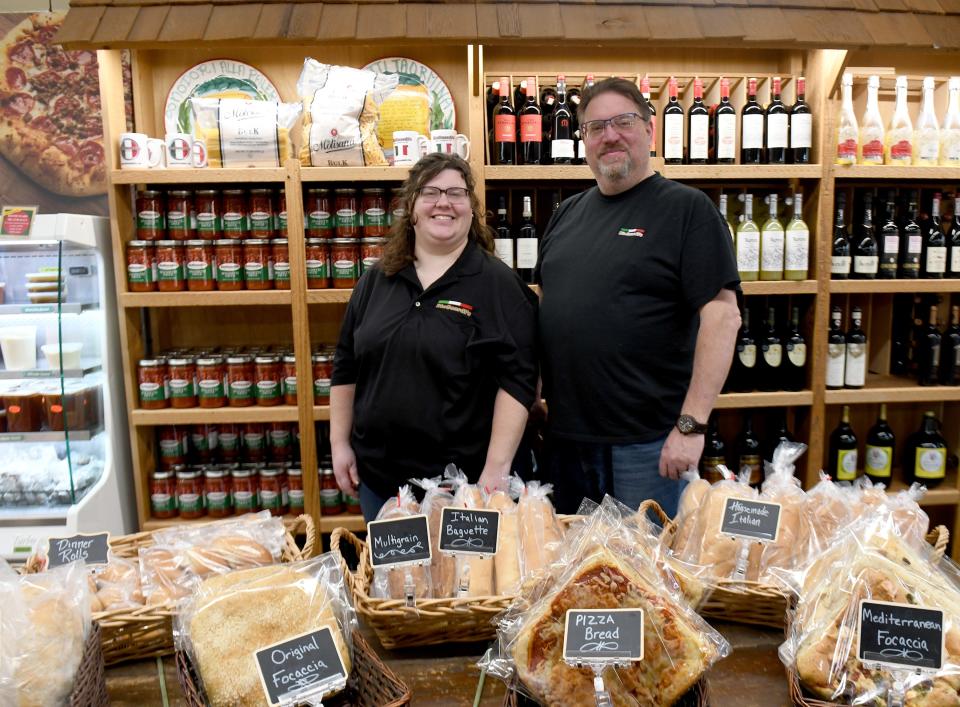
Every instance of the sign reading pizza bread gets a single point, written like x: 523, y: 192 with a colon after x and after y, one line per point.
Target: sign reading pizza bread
x: 597, y: 635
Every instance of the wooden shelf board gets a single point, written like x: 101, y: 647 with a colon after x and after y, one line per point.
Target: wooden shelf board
x: 196, y: 176
x: 353, y: 174
x: 946, y: 494
x: 205, y: 299
x: 764, y: 400
x: 197, y: 416
x: 709, y: 171
x: 892, y: 172
x: 874, y: 286
x: 321, y: 412
x: 353, y: 523
x: 159, y: 523
x: 780, y: 287
x: 328, y: 296
x: 892, y: 389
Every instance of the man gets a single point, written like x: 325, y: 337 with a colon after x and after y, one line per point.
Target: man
x: 638, y: 318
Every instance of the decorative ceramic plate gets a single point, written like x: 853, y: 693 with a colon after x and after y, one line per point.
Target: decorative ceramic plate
x: 413, y: 73
x: 217, y: 78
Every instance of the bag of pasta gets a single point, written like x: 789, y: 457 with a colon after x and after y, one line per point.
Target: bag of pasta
x: 241, y: 133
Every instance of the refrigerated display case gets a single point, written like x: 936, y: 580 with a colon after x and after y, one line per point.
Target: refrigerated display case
x: 64, y: 443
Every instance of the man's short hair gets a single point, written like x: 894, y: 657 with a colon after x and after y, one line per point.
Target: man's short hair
x: 627, y: 89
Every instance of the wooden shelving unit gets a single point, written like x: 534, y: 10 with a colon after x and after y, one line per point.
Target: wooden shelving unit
x: 213, y: 416
x: 800, y: 398
x: 353, y: 174
x: 893, y: 286
x: 205, y: 299
x: 711, y: 172
x: 892, y: 173
x: 886, y: 389
x: 195, y: 176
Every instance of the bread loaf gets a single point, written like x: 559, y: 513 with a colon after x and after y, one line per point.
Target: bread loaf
x: 391, y: 583
x: 540, y: 534
x: 443, y: 568
x: 474, y: 570
x: 507, y: 560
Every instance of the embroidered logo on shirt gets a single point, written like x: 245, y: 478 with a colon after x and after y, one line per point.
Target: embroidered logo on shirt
x: 454, y: 306
x: 632, y: 232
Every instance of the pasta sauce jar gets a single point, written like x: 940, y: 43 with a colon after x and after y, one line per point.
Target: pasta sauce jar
x: 163, y: 495
x: 151, y: 221
x: 257, y: 268
x: 289, y: 383
x: 170, y: 276
x: 240, y: 381
x: 244, y: 489
x: 319, y: 214
x: 371, y: 250
x: 182, y: 372
x: 261, y: 215
x: 267, y: 372
x: 280, y: 255
x: 199, y: 257
x: 318, y: 263
x: 254, y: 442
x: 179, y: 209
x: 216, y: 493
x: 140, y: 266
x: 322, y: 371
x: 210, y: 387
x: 229, y: 259
x: 280, y: 223
x: 234, y: 219
x: 295, y: 489
x: 172, y: 445
x: 347, y: 219
x: 151, y: 375
x: 280, y: 442
x: 271, y: 491
x: 373, y: 205
x: 344, y: 262
x: 229, y: 442
x: 189, y: 493
x: 206, y: 204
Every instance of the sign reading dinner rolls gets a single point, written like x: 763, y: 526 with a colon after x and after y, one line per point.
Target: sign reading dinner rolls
x: 92, y: 549
x: 400, y: 541
x: 598, y: 635
x: 308, y: 665
x: 469, y: 531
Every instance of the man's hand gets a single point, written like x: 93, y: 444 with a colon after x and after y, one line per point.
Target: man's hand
x: 345, y: 469
x: 679, y: 453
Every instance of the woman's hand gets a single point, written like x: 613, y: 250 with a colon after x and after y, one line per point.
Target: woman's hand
x: 494, y: 478
x: 345, y: 469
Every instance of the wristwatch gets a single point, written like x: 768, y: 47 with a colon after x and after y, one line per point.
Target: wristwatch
x: 688, y: 425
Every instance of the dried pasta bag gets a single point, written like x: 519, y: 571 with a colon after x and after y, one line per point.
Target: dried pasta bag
x: 443, y: 568
x: 341, y: 107
x: 230, y: 617
x: 507, y: 560
x: 541, y: 538
x: 795, y: 541
x: 389, y: 583
x: 241, y: 133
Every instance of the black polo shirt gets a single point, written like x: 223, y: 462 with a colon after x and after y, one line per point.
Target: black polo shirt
x: 427, y: 366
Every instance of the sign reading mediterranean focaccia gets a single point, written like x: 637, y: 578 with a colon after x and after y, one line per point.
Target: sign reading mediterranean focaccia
x: 50, y: 125
x: 900, y: 635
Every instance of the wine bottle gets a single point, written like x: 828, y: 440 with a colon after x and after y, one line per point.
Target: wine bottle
x: 645, y: 92
x: 927, y: 139
x: 950, y: 350
x: 843, y: 450
x: 723, y: 209
x: 771, y: 360
x: 493, y: 98
x: 573, y: 100
x: 871, y: 126
x: 778, y: 435
x: 777, y: 127
x: 911, y: 241
x: 855, y: 366
x: 504, y: 147
x: 796, y: 249
x: 840, y: 258
x: 581, y: 147
x: 801, y: 126
x: 925, y: 454
x: 771, y: 244
x: 865, y: 259
x: 900, y: 335
x: 836, y: 350
x: 503, y: 238
x: 953, y: 240
x: 725, y: 134
x: 531, y: 126
x: 527, y: 243
x: 714, y: 452
x: 698, y: 126
x: 880, y: 448
x: 743, y: 370
x: 751, y: 127
x: 795, y: 362
x: 548, y: 103
x: 561, y: 144
x: 899, y: 138
x: 748, y: 243
x: 748, y: 451
x: 928, y: 351
x: 950, y: 133
x: 934, y: 244
x: 888, y: 244
x: 848, y: 132
x: 672, y: 126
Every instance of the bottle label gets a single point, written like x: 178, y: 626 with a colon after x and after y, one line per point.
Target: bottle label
x: 261, y: 221
x: 245, y: 501
x: 254, y: 440
x: 169, y: 271
x: 217, y: 501
x: 199, y: 270
x: 330, y: 498
x: 139, y: 274
x: 955, y: 259
x: 561, y: 149
x: 234, y: 222
x: 777, y: 129
x: 505, y: 128
x: 855, y: 368
x: 673, y: 136
x: 752, y: 137
x: 229, y: 441
x: 726, y: 136
x: 162, y: 502
x: 229, y: 272
x: 211, y: 388
x: 836, y: 353
x: 801, y: 130
x: 797, y: 250
x: 846, y: 464
x: 937, y: 259
x: 901, y: 151
x: 527, y: 253
x: 531, y: 128
x: 747, y: 355
x: 879, y: 461
x: 240, y: 390
x: 847, y: 151
x: 755, y: 464
x: 316, y: 269
x: 190, y: 502
x: 915, y: 245
x: 797, y: 354
x: 181, y: 388
x: 504, y: 250
x: 748, y: 251
x: 290, y: 385
x: 374, y: 217
x: 930, y: 463
x: 935, y: 356
x: 319, y: 219
x: 347, y: 217
x: 281, y: 272
x: 872, y: 151
x: 345, y: 269
x: 150, y: 219
x: 891, y: 245
x: 840, y: 265
x: 773, y: 355
x: 176, y: 220
x: 771, y: 251
x: 653, y: 135
x: 321, y: 387
x: 267, y: 390
x: 699, y: 136
x: 151, y: 393
x: 866, y: 264
x: 928, y: 150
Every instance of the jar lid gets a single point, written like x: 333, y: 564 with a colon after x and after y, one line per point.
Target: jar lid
x: 169, y: 244
x: 289, y: 358
x: 241, y: 473
x: 180, y: 192
x: 161, y: 475
x: 212, y: 473
x: 344, y: 241
x: 150, y: 193
x: 374, y: 190
x: 206, y: 192
x: 256, y: 241
x: 151, y: 362
x: 318, y: 241
x: 221, y: 242
x: 179, y: 361
x: 318, y: 190
x: 294, y: 471
x: 279, y: 241
x: 320, y: 358
x: 140, y: 244
x: 259, y: 191
x: 344, y: 191
x: 199, y: 242
x: 328, y: 471
x: 254, y: 466
x: 268, y: 472
x: 210, y: 361
x: 233, y: 192
x: 240, y: 358
x: 377, y: 240
x: 186, y: 473
x: 266, y: 358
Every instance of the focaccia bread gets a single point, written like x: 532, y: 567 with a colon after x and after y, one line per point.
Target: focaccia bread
x: 676, y: 652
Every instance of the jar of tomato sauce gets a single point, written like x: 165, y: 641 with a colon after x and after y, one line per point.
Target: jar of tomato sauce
x: 319, y: 213
x: 183, y: 389
x: 173, y: 448
x: 244, y: 489
x: 199, y: 256
x: 229, y: 443
x: 289, y: 383
x: 352, y: 504
x: 216, y: 493
x: 271, y: 493
x: 280, y: 224
x: 322, y: 371
x: 206, y: 205
x: 151, y: 375
x: 235, y: 222
x: 240, y: 380
x: 318, y: 263
x: 261, y: 213
x: 344, y: 262
x: 228, y: 255
x: 170, y: 275
x: 347, y: 213
x: 254, y: 443
x: 140, y: 266
x: 257, y: 267
x: 179, y: 208
x: 295, y: 489
x: 371, y: 250
x: 396, y: 208
x: 280, y: 255
x: 163, y: 495
x: 280, y: 442
x: 151, y: 221
x: 373, y: 205
x: 189, y: 493
x: 210, y: 386
x: 203, y: 443
x: 267, y: 371
x: 331, y: 503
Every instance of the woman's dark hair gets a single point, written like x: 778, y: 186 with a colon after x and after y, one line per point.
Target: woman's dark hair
x: 398, y: 251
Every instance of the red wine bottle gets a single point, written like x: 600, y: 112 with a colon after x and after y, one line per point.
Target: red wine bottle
x: 645, y: 92
x: 698, y: 126
x: 531, y: 126
x: 751, y: 120
x: 777, y: 127
x: 801, y: 126
x: 725, y: 135
x: 673, y: 127
x: 504, y: 147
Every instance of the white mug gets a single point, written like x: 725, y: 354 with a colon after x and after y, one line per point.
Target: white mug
x: 199, y: 152
x: 451, y: 142
x: 156, y: 150
x: 179, y: 150
x: 133, y: 150
x: 408, y: 147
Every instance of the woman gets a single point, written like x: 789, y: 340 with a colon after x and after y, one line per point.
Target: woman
x: 436, y: 362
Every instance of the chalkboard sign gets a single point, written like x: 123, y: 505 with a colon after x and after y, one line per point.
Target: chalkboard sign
x: 756, y: 520
x: 308, y: 665
x: 401, y: 541
x: 900, y: 635
x: 469, y: 531
x: 598, y: 635
x: 92, y: 549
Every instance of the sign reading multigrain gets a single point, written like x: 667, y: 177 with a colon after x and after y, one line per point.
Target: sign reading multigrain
x: 92, y: 549
x: 309, y: 665
x: 469, y: 531
x: 400, y: 541
x: 900, y: 635
x: 597, y: 635
x: 755, y: 520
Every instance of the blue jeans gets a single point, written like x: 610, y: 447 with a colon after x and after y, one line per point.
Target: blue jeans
x: 628, y: 472
x: 370, y: 502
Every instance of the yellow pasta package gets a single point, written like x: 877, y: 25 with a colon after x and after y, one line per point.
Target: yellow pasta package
x: 242, y: 133
x: 407, y: 108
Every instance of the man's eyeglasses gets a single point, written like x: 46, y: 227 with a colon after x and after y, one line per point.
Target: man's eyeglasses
x: 625, y: 122
x: 455, y: 195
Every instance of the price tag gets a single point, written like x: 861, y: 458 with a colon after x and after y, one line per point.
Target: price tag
x: 900, y: 635
x: 469, y: 531
x: 401, y: 541
x: 92, y: 549
x: 17, y: 220
x: 597, y: 635
x: 755, y: 520
x: 309, y: 665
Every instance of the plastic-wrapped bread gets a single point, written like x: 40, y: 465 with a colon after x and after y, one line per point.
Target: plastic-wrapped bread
x: 540, y: 536
x: 690, y: 502
x: 473, y: 570
x: 719, y: 553
x: 795, y: 539
x: 443, y: 568
x: 507, y: 560
x: 391, y: 583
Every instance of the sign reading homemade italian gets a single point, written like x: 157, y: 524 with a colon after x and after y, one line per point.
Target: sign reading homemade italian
x: 754, y: 520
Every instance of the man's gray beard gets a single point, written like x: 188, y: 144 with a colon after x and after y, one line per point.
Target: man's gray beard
x: 619, y: 172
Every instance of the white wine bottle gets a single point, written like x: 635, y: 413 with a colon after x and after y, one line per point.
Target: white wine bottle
x: 796, y: 259
x: 848, y: 132
x: 871, y: 126
x: 899, y: 139
x: 771, y: 244
x: 950, y: 133
x: 926, y: 140
x: 748, y: 243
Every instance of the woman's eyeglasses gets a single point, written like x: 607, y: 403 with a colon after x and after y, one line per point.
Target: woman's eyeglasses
x: 455, y: 195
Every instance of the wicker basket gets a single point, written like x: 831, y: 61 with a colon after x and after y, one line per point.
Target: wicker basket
x: 696, y: 696
x: 371, y: 682
x: 90, y: 683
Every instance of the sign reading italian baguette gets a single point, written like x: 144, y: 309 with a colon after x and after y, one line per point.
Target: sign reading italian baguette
x: 469, y: 531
